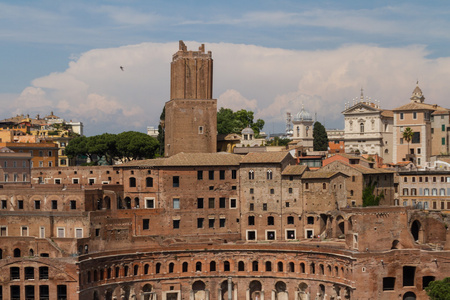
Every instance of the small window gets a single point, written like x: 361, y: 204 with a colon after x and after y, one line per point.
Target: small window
x: 232, y: 203
x: 176, y: 203
x: 132, y: 182
x: 310, y: 220
x: 200, y: 222
x: 270, y: 235
x: 176, y: 224
x: 222, y: 203
x: 251, y: 235
x: 290, y: 220
x: 211, y: 175
x: 211, y: 203
x: 270, y: 220
x: 222, y: 174
x: 251, y: 191
x: 211, y: 223
x: 414, y: 115
x: 251, y: 220
x: 20, y: 204
x: 401, y: 116
x: 73, y: 204
x: 264, y: 206
x: 290, y: 190
x: 222, y: 222
x: 269, y: 175
x: 252, y: 207
x: 251, y: 175
x: 176, y: 181
x: 149, y: 182
x: 43, y: 273
x: 199, y: 202
x: 149, y: 203
x: 37, y: 204
x: 200, y: 129
x: 61, y: 232
x: 233, y: 174
x: 145, y: 224
x: 199, y: 175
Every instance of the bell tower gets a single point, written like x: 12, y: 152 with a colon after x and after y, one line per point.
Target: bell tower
x: 191, y: 113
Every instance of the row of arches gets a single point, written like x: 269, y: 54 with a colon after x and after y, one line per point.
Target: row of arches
x: 154, y: 268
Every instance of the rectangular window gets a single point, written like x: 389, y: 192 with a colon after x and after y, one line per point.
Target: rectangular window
x: 290, y: 234
x: 149, y: 203
x: 3, y: 231
x: 251, y: 235
x: 211, y: 223
x: 73, y: 204
x: 200, y: 222
x: 232, y: 203
x: 24, y: 231
x: 222, y: 203
x: 222, y: 222
x: 57, y: 181
x: 414, y: 115
x: 199, y: 175
x: 79, y: 233
x: 54, y: 204
x: 443, y: 141
x: 401, y: 116
x: 6, y: 177
x: 37, y: 204
x: 4, y: 205
x: 20, y: 204
x: 416, y: 138
x: 211, y: 175
x: 176, y: 181
x: 251, y: 191
x: 443, y: 127
x: 233, y: 174
x: 145, y: 224
x: 401, y: 141
x: 97, y: 231
x: 200, y: 129
x: 222, y: 174
x: 75, y: 180
x: 408, y: 275
x: 211, y: 202
x: 61, y: 232
x: 42, y: 232
x: 264, y: 206
x: 200, y: 203
x: 176, y: 203
x: 14, y: 273
x: 176, y: 224
x: 61, y: 292
x: 43, y: 273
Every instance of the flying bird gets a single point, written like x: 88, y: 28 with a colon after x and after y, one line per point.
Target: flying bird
x: 121, y: 68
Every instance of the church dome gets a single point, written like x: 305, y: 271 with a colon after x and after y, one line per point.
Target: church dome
x: 247, y: 130
x: 303, y: 115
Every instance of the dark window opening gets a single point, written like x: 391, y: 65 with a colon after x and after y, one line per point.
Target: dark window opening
x: 408, y: 275
x: 388, y: 283
x: 222, y: 174
x: 222, y: 203
x: 268, y: 266
x: 251, y: 235
x: 176, y: 224
x: 426, y: 281
x: 212, y: 266
x: 310, y: 220
x: 149, y: 182
x: 211, y: 175
x: 270, y: 220
x: 199, y: 202
x: 226, y: 266
x: 251, y: 220
x: 43, y: 273
x: 290, y: 220
x: 132, y: 181
x: 145, y: 224
x: 233, y: 174
x: 200, y: 222
x: 241, y: 266
x: 184, y: 267
x: 176, y: 181
x: 199, y: 175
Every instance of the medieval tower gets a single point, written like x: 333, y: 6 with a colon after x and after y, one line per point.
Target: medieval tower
x: 191, y: 113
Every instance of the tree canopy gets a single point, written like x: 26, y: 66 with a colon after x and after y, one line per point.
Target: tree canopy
x: 125, y: 146
x: 233, y: 122
x: 368, y: 197
x: 320, y: 142
x: 439, y: 289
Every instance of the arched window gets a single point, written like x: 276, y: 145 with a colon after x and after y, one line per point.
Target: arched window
x: 268, y: 266
x: 442, y: 192
x: 226, y: 266
x: 149, y: 182
x: 171, y: 267
x: 298, y: 131
x: 280, y: 266
x: 434, y: 192
x: 291, y: 267
x: 95, y: 275
x: 307, y: 131
x: 212, y: 266
x: 405, y: 192
x: 17, y: 252
x: 117, y: 270
x: 184, y: 267
x: 108, y: 273
x: 132, y: 182
x: 146, y: 268
x: 312, y: 268
x: 324, y: 186
x: 136, y: 202
x: 241, y: 266
x: 426, y: 192
x: 251, y: 175
x: 136, y: 270
x: 302, y: 268
x: 125, y: 271
x: 269, y: 174
x: 255, y: 266
x: 413, y: 192
x: 361, y: 127
x: 198, y: 266
x: 88, y: 276
x: 158, y: 268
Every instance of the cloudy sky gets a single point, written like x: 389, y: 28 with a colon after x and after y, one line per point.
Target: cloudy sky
x: 269, y: 56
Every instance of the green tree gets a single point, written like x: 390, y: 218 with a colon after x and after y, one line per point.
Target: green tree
x: 439, y: 289
x: 368, y: 197
x: 408, y: 135
x: 320, y: 137
x: 132, y: 145
x: 233, y: 122
x: 77, y: 147
x: 279, y: 142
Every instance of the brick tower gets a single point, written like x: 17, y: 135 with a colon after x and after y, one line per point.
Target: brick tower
x: 191, y: 113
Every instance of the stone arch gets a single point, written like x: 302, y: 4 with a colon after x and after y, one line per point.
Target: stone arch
x: 107, y: 202
x: 16, y: 252
x: 199, y: 289
x: 291, y: 267
x: 108, y: 294
x: 302, y: 291
x: 281, y: 291
x: 416, y: 230
x: 127, y: 202
x: 147, y: 292
x: 340, y: 227
x: 255, y: 288
x: 409, y: 296
x: 241, y: 266
x: 31, y: 252
x: 321, y: 292
x: 224, y: 289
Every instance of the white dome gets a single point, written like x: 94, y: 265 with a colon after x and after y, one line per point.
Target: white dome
x: 247, y: 130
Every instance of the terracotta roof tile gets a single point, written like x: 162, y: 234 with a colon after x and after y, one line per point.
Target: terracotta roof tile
x: 320, y: 174
x: 265, y: 157
x: 294, y: 170
x: 189, y: 159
